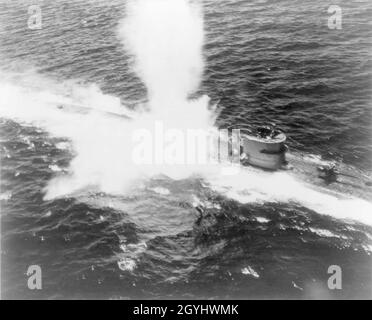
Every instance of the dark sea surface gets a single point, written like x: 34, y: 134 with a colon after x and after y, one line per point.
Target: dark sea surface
x: 271, y: 61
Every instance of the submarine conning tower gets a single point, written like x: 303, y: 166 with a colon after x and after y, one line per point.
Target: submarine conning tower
x: 265, y: 148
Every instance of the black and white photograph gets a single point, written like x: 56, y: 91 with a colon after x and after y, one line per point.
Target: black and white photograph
x: 186, y: 150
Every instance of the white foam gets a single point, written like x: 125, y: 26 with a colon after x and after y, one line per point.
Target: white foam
x: 55, y: 168
x: 127, y: 260
x: 63, y: 145
x: 160, y: 190
x: 5, y: 196
x: 262, y: 220
x: 250, y: 271
x: 127, y: 264
x: 256, y: 186
x: 326, y: 233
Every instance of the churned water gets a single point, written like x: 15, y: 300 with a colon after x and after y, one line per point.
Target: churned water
x: 99, y: 227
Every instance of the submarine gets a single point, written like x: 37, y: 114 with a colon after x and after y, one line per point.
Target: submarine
x: 264, y: 148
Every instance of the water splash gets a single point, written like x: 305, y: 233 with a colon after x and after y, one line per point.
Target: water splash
x: 166, y: 38
x: 256, y: 186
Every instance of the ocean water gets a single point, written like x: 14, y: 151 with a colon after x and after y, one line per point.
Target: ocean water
x: 266, y: 235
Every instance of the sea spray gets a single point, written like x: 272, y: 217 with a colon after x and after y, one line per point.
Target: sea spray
x: 165, y: 38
